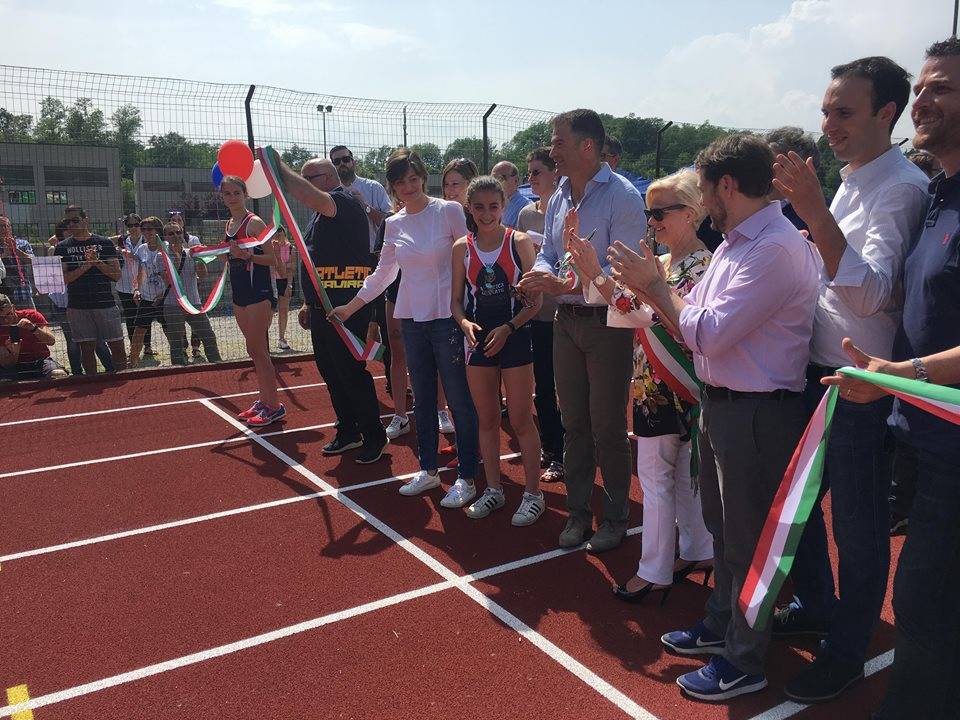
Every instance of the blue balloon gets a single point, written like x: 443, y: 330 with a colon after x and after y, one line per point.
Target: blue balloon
x: 216, y: 175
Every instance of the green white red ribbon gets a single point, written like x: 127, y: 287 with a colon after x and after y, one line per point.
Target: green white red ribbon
x: 203, y: 252
x: 667, y: 358
x: 800, y: 488
x: 370, y: 351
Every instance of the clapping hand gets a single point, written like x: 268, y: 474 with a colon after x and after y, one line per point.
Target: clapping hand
x: 584, y: 256
x: 797, y: 181
x: 639, y: 272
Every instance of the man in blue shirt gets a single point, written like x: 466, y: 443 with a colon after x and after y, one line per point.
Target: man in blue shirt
x: 593, y: 362
x: 923, y: 682
x: 509, y: 177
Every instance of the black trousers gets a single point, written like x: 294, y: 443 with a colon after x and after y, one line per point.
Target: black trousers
x: 350, y: 386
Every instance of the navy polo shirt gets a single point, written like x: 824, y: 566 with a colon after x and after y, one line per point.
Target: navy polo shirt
x: 931, y: 310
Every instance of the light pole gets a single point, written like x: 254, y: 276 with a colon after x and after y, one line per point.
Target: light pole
x: 324, y: 110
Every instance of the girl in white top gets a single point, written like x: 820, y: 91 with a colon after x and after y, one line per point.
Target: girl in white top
x: 419, y: 241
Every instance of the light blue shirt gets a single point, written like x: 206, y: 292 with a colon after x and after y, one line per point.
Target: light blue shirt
x: 611, y: 205
x: 511, y: 213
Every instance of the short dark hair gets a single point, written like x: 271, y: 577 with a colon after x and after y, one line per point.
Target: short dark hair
x: 784, y: 139
x: 890, y: 82
x: 131, y: 217
x: 746, y: 158
x: 585, y: 124
x: 924, y: 160
x: 400, y: 162
x: 615, y: 147
x: 543, y: 155
x: 75, y: 209
x: 337, y: 148
x: 944, y: 48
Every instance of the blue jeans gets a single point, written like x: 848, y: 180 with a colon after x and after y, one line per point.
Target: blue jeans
x: 436, y: 346
x: 923, y: 682
x: 857, y: 473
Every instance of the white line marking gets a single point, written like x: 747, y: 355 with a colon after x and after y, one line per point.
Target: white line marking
x: 566, y: 661
x: 279, y: 634
x: 211, y: 516
x: 161, y: 404
x: 177, y: 448
x: 789, y: 709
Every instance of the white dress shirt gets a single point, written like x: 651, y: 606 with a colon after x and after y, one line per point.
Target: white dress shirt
x: 421, y: 245
x: 879, y: 207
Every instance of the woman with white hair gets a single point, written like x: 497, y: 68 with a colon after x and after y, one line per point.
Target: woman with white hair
x: 662, y: 421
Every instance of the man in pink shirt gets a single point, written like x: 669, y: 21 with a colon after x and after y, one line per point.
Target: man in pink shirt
x: 749, y: 322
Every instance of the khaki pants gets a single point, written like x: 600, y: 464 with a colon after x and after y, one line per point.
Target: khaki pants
x: 593, y: 366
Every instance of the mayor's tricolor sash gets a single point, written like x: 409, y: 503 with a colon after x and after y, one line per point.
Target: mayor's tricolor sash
x: 800, y: 488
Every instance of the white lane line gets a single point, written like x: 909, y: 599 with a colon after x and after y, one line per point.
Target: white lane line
x: 211, y: 516
x: 789, y: 709
x: 568, y: 662
x: 166, y: 403
x: 177, y: 448
x: 279, y: 634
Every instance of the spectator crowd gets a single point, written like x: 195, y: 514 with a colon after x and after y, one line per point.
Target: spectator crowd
x: 564, y: 310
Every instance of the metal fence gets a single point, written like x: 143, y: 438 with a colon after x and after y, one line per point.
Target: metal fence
x: 116, y: 144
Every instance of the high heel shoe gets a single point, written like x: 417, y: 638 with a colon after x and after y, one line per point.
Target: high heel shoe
x: 681, y: 574
x: 637, y: 596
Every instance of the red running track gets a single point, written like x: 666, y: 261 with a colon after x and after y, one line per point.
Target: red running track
x: 242, y: 587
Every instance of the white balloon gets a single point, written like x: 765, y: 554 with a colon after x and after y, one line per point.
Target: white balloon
x: 257, y: 185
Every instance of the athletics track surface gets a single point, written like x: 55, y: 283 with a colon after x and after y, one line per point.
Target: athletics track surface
x: 161, y: 561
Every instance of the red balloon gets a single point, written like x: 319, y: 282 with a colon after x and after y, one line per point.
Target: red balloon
x: 235, y: 158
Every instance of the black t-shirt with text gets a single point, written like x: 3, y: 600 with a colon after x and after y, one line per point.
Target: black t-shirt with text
x: 92, y: 290
x: 340, y: 250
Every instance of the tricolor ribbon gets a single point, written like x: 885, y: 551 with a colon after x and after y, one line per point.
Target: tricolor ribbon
x: 800, y: 487
x: 370, y: 351
x: 177, y: 286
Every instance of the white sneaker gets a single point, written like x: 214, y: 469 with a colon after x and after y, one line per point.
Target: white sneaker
x: 421, y: 482
x: 531, y: 508
x: 488, y: 502
x: 461, y: 492
x: 446, y: 424
x: 397, y: 427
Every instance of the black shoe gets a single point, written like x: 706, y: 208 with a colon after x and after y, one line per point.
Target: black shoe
x: 681, y: 574
x: 637, y: 596
x: 823, y: 679
x: 546, y: 457
x: 792, y: 621
x: 341, y: 444
x: 370, y: 452
x: 898, y: 524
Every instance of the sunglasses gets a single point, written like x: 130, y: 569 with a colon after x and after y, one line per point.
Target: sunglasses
x: 517, y: 294
x: 344, y: 159
x: 658, y: 213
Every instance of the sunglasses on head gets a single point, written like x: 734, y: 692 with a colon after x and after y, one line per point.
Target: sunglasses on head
x: 658, y: 213
x: 344, y: 159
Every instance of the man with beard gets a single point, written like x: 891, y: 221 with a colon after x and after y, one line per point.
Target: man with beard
x: 369, y: 193
x: 862, y: 239
x: 923, y: 682
x: 337, y: 242
x: 748, y: 322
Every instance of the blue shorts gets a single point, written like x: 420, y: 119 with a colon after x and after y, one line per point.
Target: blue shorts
x: 516, y: 351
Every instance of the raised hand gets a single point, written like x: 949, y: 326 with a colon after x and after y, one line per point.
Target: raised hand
x: 638, y: 272
x: 797, y: 181
x: 584, y: 257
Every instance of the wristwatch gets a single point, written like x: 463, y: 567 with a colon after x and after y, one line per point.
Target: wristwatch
x: 509, y: 324
x: 600, y: 280
x: 919, y: 370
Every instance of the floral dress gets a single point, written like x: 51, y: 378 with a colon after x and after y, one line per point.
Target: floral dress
x: 656, y: 410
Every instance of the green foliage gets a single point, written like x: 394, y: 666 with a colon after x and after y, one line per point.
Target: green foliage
x: 470, y: 148
x: 85, y: 124
x: 126, y: 125
x: 174, y: 150
x: 295, y: 156
x: 373, y: 162
x: 14, y: 128
x: 516, y: 150
x: 431, y: 156
x: 53, y: 117
x: 829, y: 171
x: 129, y: 195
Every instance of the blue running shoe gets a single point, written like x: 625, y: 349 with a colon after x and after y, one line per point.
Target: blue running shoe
x: 267, y: 415
x: 720, y: 680
x: 698, y: 640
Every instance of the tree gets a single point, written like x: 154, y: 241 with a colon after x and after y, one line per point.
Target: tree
x: 85, y: 124
x: 295, y: 156
x: 829, y: 171
x: 50, y: 126
x: 374, y: 161
x: 13, y: 127
x: 431, y: 156
x: 126, y: 124
x: 174, y: 150
x: 516, y: 150
x: 469, y: 148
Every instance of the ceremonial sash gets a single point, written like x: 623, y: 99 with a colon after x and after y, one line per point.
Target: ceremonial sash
x: 800, y: 487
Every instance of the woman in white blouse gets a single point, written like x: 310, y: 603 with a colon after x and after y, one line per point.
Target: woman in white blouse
x: 419, y: 241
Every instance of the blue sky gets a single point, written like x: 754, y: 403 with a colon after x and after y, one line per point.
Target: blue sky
x: 743, y: 63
